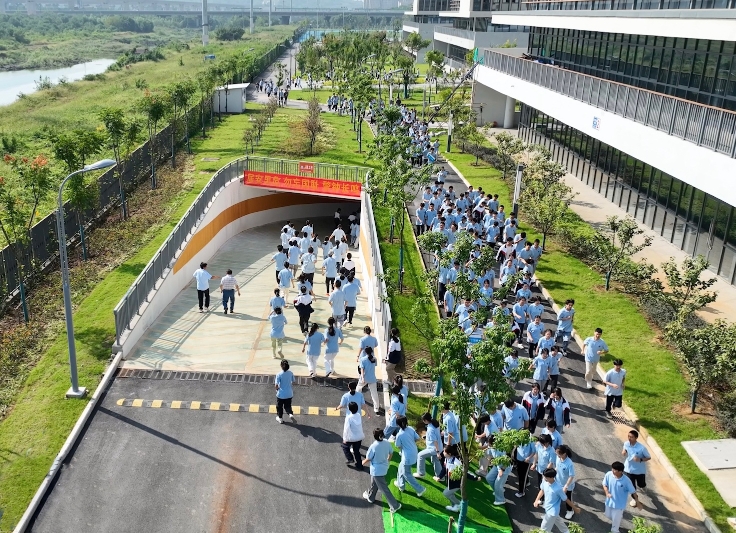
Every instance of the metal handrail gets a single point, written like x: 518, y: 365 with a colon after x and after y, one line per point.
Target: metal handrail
x: 699, y: 124
x: 163, y: 260
x: 625, y: 5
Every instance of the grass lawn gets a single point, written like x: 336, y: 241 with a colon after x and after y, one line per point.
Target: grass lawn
x: 655, y: 388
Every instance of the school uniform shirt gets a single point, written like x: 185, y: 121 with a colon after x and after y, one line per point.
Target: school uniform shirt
x: 203, y: 279
x: 368, y: 369
x: 350, y: 292
x: 565, y: 470
x: 451, y: 428
x: 342, y: 249
x: 592, y: 347
x: 433, y: 435
x: 486, y: 296
x: 619, y: 488
x: 526, y: 293
x: 554, y: 364
x: 277, y: 325
x: 615, y: 377
x: 406, y: 441
x: 638, y: 450
x: 512, y: 363
x: 533, y: 404
x: 555, y: 436
x: 553, y: 497
x: 541, y: 368
x: 285, y: 238
x: 379, y: 453
x: 308, y: 261
x: 314, y: 343
x: 534, y: 332
x: 337, y: 301
x: 559, y: 410
x: 357, y: 398
x: 285, y: 277
x: 276, y: 301
x: 449, y: 301
x: 330, y: 265
x: 565, y: 325
x: 544, y: 342
x: 293, y: 255
x: 333, y: 340
x: 524, y: 452
x: 352, y: 429
x: 497, y: 418
x: 545, y: 456
x: 285, y: 380
x: 514, y: 418
x: 397, y: 408
x: 279, y: 258
x: 338, y: 234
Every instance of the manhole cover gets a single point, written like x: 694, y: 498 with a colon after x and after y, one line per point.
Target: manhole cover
x: 210, y: 159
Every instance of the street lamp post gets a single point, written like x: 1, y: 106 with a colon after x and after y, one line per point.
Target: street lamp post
x: 75, y: 391
x: 517, y: 187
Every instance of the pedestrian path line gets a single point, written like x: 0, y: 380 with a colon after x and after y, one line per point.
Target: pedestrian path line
x: 194, y: 405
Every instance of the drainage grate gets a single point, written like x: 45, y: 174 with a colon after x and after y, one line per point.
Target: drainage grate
x: 260, y: 379
x: 619, y: 417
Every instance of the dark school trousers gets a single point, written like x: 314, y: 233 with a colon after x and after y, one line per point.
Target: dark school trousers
x: 203, y: 296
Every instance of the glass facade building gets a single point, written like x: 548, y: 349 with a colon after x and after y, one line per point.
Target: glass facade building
x: 698, y: 70
x: 692, y: 220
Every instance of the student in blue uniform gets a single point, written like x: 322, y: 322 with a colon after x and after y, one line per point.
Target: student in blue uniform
x: 278, y: 321
x: 353, y: 395
x: 284, y: 392
x: 406, y: 442
x: 635, y: 463
x: 313, y: 347
x: 378, y: 458
x: 523, y: 458
x: 544, y: 457
x: 452, y: 461
x: 432, y: 448
x: 398, y: 408
x: 617, y: 488
x: 566, y: 476
x: 553, y: 495
x: 279, y: 258
x: 367, y: 368
x: 333, y: 340
x: 276, y: 300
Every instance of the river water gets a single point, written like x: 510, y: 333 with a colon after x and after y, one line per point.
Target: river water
x: 24, y: 81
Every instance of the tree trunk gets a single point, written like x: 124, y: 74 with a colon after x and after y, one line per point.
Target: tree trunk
x: 82, y: 238
x: 173, y: 143
x: 544, y: 240
x: 186, y: 129
x: 153, y: 157
x: 694, y: 400
x: 463, y: 494
x: 608, y: 279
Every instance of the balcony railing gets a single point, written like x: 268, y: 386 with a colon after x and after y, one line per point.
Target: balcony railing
x: 455, y: 32
x: 608, y: 5
x: 696, y: 123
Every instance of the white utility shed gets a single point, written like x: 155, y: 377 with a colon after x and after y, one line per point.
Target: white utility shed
x: 230, y: 99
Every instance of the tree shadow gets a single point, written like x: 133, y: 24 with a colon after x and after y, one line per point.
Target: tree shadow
x: 97, y: 341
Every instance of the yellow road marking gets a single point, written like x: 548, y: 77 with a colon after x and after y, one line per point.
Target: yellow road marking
x: 176, y: 404
x: 332, y: 412
x: 313, y: 410
x: 156, y: 404
x: 121, y: 401
x: 253, y: 408
x: 194, y: 405
x: 271, y: 409
x: 214, y: 406
x: 137, y: 403
x: 297, y: 409
x: 231, y: 407
x: 234, y: 407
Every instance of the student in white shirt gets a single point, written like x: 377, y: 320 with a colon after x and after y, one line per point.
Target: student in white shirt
x: 338, y: 234
x: 352, y: 436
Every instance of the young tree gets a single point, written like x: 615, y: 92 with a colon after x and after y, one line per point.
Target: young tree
x: 313, y: 124
x: 249, y: 137
x: 685, y: 293
x: 179, y: 95
x: 113, y: 118
x: 618, y: 244
x: 436, y: 66
x: 508, y: 148
x: 546, y: 209
x: 154, y: 107
x: 19, y: 200
x: 708, y: 353
x: 464, y: 364
x: 205, y: 85
x: 415, y: 43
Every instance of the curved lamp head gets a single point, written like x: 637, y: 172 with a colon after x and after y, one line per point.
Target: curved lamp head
x: 105, y: 163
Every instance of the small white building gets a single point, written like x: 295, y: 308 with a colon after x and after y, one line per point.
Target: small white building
x: 230, y: 98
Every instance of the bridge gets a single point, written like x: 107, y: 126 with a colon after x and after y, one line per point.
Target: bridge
x: 157, y: 7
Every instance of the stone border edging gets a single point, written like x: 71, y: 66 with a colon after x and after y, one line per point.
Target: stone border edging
x: 656, y: 450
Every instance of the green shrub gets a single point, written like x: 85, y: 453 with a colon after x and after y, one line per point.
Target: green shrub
x: 726, y: 412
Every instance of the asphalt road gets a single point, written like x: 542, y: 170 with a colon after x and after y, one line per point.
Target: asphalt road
x: 141, y: 469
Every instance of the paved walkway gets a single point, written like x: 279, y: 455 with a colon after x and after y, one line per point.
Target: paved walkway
x: 596, y: 442
x: 186, y: 340
x: 594, y: 208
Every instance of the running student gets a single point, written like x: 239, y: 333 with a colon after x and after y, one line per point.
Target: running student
x: 617, y: 488
x: 353, y: 395
x: 593, y: 347
x: 565, y: 318
x: 337, y: 301
x: 452, y: 461
x: 279, y: 258
x: 286, y: 281
x: 378, y: 457
x: 284, y: 392
x: 406, y: 442
x: 313, y: 347
x: 352, y: 436
x: 398, y: 408
x: 329, y: 269
x: 634, y: 465
x: 432, y: 448
x: 367, y: 368
x: 614, y: 382
x: 276, y: 300
x: 278, y: 321
x: 553, y: 495
x: 566, y: 476
x: 333, y: 340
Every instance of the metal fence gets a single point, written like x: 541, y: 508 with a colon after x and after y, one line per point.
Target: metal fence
x: 42, y: 249
x: 700, y: 124
x: 375, y: 257
x: 595, y: 5
x: 316, y: 170
x: 164, y: 258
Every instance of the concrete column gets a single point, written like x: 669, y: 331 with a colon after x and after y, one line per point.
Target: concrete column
x: 285, y: 20
x: 509, y: 113
x: 251, y: 16
x: 494, y: 104
x: 205, y: 25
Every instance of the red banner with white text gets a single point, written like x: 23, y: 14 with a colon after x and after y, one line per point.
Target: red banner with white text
x: 288, y: 182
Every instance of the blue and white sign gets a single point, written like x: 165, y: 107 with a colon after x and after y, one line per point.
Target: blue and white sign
x: 597, y: 123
